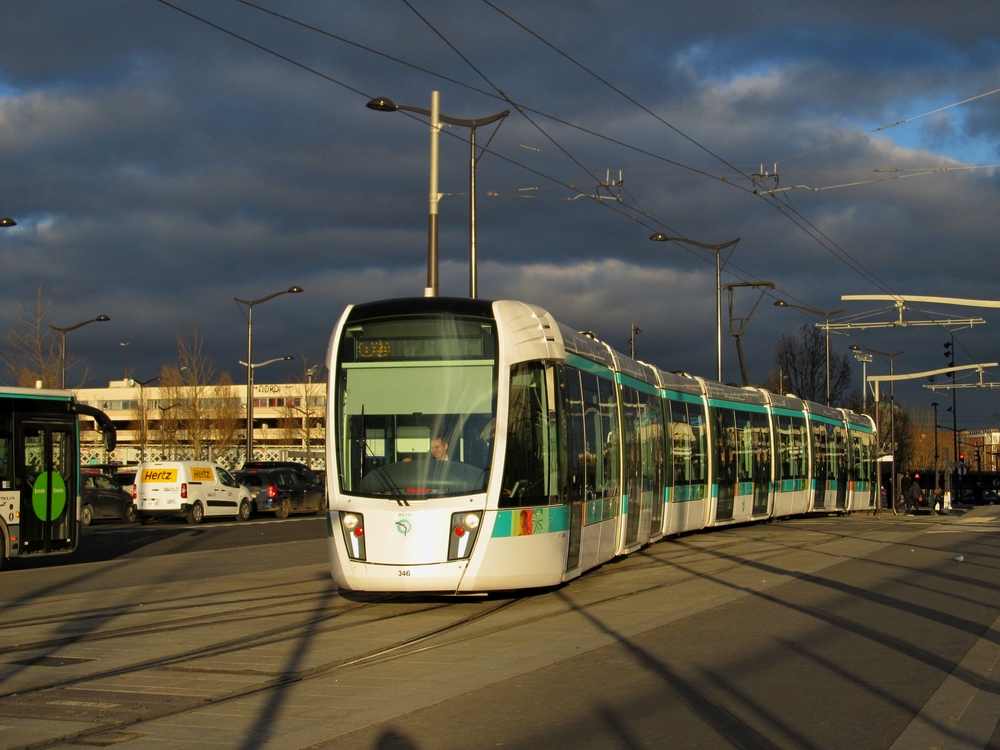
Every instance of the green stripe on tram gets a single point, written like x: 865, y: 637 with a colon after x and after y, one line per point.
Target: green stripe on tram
x: 531, y: 521
x: 603, y: 371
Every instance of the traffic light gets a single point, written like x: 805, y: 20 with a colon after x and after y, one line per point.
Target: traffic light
x: 961, y: 458
x: 949, y: 353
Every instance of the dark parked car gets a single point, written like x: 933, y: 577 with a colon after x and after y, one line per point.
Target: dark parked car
x: 102, y: 499
x: 282, y: 491
x: 124, y: 478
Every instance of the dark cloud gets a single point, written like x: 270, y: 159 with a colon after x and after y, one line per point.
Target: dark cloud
x: 158, y: 168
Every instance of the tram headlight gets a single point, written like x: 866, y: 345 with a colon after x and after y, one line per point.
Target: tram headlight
x: 464, y: 529
x: 353, y: 526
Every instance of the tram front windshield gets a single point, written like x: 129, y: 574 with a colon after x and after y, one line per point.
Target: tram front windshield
x: 416, y: 400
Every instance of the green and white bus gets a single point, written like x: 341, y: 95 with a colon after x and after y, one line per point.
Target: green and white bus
x: 40, y: 470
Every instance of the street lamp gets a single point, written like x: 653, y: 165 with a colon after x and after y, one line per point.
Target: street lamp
x: 62, y: 345
x: 382, y: 104
x: 163, y: 429
x: 250, y: 370
x: 864, y: 358
x: 935, y: 405
x: 250, y: 303
x: 143, y: 419
x: 660, y: 237
x: 6, y: 221
x: 826, y: 317
x: 892, y: 408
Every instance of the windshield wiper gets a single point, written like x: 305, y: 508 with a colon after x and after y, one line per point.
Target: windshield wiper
x: 379, y: 471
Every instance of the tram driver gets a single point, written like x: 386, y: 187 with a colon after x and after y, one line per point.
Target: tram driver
x: 439, y: 449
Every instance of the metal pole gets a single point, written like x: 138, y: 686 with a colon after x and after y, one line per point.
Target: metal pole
x: 249, y: 383
x: 718, y: 310
x: 435, y: 197
x: 62, y: 359
x: 954, y: 405
x: 892, y: 427
x: 864, y: 385
x: 935, y: 450
x: 473, y: 260
x: 827, y: 360
x: 309, y: 380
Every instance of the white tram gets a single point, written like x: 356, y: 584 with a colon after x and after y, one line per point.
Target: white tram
x: 476, y: 446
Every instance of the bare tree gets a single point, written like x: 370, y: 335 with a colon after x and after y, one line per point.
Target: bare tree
x: 32, y: 349
x: 228, y: 419
x: 802, y: 364
x: 302, y: 412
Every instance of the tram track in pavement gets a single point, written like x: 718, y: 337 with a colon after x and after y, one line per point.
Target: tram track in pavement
x: 416, y: 644
x: 456, y: 631
x: 278, y: 682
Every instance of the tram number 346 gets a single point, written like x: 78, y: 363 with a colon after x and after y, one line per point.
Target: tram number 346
x: 402, y: 573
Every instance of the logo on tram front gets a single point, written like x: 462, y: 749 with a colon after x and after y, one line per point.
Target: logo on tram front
x: 403, y: 526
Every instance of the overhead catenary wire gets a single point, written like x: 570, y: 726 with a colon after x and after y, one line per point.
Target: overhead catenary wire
x: 820, y: 238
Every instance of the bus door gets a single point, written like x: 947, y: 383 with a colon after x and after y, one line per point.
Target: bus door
x: 47, y: 466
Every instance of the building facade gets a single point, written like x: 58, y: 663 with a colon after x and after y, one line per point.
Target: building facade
x: 207, y: 422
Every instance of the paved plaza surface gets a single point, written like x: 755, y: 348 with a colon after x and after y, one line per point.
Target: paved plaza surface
x: 830, y: 632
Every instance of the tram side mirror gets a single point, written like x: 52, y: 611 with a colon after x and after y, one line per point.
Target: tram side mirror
x: 110, y: 439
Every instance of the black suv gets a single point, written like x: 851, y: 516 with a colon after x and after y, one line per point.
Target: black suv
x: 102, y: 499
x: 282, y: 491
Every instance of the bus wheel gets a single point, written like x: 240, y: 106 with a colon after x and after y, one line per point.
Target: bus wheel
x: 86, y: 515
x: 196, y: 513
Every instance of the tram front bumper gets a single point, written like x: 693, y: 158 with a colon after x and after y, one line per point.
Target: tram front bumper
x: 433, y: 578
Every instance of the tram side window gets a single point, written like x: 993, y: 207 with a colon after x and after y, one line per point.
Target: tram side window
x: 632, y: 408
x: 820, y: 446
x: 609, y: 438
x: 687, y: 438
x: 531, y: 458
x: 576, y: 446
x: 762, y: 446
x: 838, y: 451
x: 792, y: 447
x: 745, y: 443
x: 651, y: 429
x: 6, y: 461
x: 857, y: 457
x: 725, y: 445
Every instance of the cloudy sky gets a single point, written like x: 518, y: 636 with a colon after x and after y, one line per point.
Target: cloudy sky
x: 161, y: 159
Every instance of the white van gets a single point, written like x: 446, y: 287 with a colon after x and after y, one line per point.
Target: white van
x: 188, y: 489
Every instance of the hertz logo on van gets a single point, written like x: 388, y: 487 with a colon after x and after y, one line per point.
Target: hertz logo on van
x: 201, y: 474
x: 159, y: 475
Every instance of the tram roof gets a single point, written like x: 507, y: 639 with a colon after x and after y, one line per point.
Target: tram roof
x: 390, y: 308
x: 49, y: 394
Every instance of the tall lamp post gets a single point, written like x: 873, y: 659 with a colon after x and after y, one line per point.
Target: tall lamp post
x: 163, y: 429
x: 891, y: 356
x: 125, y: 345
x: 250, y: 303
x: 143, y: 420
x: 62, y: 345
x: 381, y: 104
x: 250, y: 369
x: 864, y: 358
x: 826, y: 317
x: 309, y: 379
x: 660, y: 237
x: 935, y: 405
x: 6, y: 221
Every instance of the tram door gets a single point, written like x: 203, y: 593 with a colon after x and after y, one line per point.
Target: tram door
x: 47, y: 479
x: 573, y: 465
x: 725, y: 459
